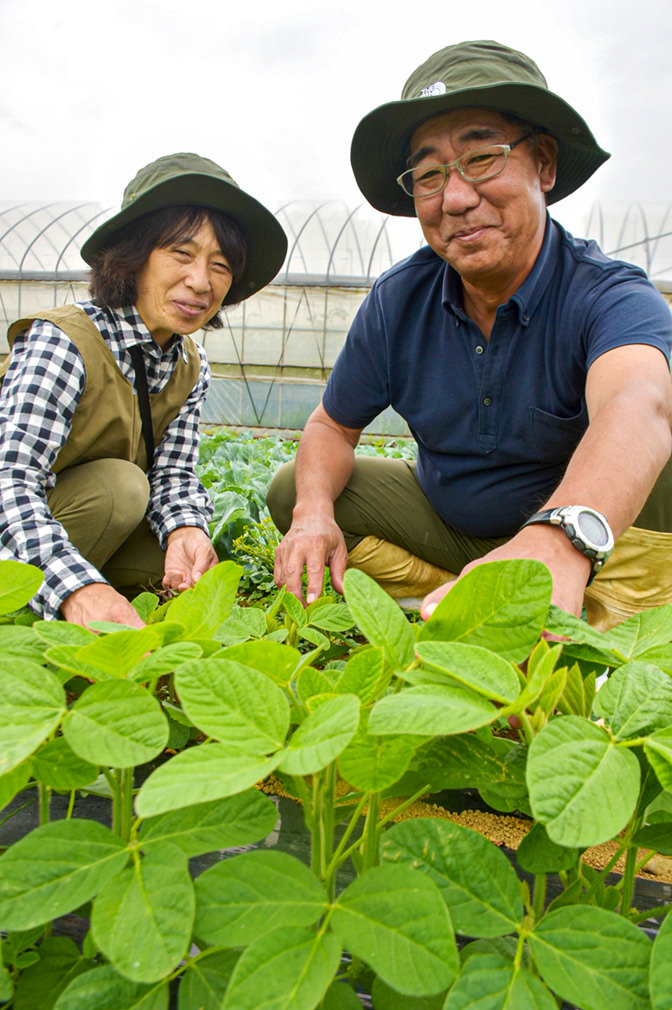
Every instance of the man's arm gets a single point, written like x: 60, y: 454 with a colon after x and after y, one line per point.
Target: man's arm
x: 324, y: 463
x: 613, y: 469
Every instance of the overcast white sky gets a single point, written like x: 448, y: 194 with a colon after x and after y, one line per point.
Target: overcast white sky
x: 94, y: 89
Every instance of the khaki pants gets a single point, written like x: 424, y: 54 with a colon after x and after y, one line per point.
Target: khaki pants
x: 102, y: 505
x: 383, y: 499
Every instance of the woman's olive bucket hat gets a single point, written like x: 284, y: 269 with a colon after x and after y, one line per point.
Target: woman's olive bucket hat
x: 483, y: 75
x: 187, y: 179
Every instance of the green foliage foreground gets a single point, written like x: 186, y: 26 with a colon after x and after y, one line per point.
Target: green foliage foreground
x: 400, y: 710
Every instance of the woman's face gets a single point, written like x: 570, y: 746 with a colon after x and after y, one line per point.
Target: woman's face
x: 181, y: 287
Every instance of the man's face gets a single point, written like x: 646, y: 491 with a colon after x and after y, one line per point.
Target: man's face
x: 490, y: 231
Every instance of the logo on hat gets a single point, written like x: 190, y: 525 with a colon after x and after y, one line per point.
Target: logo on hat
x: 438, y: 88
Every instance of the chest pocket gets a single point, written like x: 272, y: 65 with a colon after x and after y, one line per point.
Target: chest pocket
x: 555, y: 438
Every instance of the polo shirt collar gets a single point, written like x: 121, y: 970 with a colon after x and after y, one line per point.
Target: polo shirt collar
x: 530, y: 292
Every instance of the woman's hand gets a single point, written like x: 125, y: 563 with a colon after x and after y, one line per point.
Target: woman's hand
x: 189, y: 553
x: 98, y: 601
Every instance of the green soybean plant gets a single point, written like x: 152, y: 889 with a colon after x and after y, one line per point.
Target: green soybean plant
x: 412, y: 709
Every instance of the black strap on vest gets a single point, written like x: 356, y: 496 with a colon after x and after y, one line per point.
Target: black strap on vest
x: 143, y: 401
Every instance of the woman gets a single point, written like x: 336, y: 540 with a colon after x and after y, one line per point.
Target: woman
x: 100, y: 404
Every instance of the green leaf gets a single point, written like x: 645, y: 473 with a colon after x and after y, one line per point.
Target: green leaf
x: 501, y: 605
x: 56, y: 765
x: 332, y: 617
x: 234, y: 704
x: 65, y: 657
x: 83, y: 855
x: 205, y: 980
x: 294, y: 609
x: 491, y: 982
x: 164, y: 660
x: 104, y: 989
x: 472, y: 666
x: 538, y: 854
x: 660, y: 978
x: 7, y: 985
x: 115, y: 655
x: 16, y: 640
x: 386, y: 998
x: 635, y: 701
x: 274, y: 659
x: 373, y: 763
x: 657, y: 837
x: 476, y: 880
x: 33, y: 703
x: 13, y: 782
x: 200, y: 774
x: 18, y: 584
x: 254, y: 893
x: 394, y: 919
x: 431, y: 710
x: 380, y: 619
x: 462, y: 761
x: 41, y: 984
x: 321, y: 737
x: 63, y: 633
x: 593, y: 958
x: 202, y: 609
x: 571, y: 771
x: 117, y: 723
x: 241, y: 624
x: 366, y: 674
x: 143, y: 917
x: 312, y: 682
x: 579, y: 693
x: 219, y: 824
x: 289, y: 969
x: 658, y: 749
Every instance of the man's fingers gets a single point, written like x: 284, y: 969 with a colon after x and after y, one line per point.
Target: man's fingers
x: 432, y: 600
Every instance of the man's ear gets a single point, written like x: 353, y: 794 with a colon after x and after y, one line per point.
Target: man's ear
x: 546, y: 149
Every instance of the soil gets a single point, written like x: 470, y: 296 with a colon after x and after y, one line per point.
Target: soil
x: 508, y: 831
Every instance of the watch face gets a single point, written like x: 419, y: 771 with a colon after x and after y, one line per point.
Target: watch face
x: 592, y: 529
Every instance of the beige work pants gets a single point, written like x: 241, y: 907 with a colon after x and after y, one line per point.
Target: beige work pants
x: 102, y: 506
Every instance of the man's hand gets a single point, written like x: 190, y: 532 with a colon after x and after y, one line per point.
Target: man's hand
x: 189, y: 553
x: 98, y: 601
x: 569, y: 568
x: 313, y: 543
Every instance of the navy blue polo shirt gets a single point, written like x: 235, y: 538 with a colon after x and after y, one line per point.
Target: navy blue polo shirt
x: 495, y: 422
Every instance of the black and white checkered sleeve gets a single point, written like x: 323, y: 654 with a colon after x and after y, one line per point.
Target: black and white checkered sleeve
x: 40, y: 392
x: 177, y: 497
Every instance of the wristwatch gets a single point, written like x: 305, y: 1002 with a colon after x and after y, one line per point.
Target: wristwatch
x: 586, y: 529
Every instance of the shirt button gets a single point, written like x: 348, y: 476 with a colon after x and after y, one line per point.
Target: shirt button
x: 479, y: 349
x: 525, y: 317
x: 488, y: 401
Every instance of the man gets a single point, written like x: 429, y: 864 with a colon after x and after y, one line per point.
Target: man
x: 532, y: 370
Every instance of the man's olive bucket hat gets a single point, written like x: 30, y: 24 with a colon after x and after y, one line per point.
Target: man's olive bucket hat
x: 483, y: 75
x: 187, y: 179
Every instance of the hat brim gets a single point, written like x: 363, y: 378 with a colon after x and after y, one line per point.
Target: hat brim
x: 264, y: 236
x: 380, y: 144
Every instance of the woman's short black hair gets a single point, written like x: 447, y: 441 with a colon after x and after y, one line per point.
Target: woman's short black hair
x: 115, y: 268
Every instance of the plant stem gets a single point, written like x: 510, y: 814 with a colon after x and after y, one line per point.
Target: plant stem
x: 651, y: 913
x: 370, y: 833
x: 44, y: 793
x: 628, y: 881
x: 539, y: 896
x: 341, y: 854
x: 126, y: 811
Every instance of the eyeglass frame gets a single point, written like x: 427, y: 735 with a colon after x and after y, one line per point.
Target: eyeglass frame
x: 506, y: 149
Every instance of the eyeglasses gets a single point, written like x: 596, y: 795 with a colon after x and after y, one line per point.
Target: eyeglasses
x: 474, y: 166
